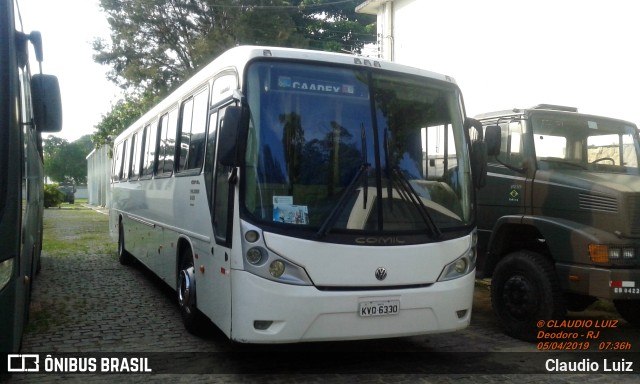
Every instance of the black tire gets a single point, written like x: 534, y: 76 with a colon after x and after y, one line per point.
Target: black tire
x: 629, y: 310
x: 192, y: 318
x: 124, y: 256
x: 525, y: 290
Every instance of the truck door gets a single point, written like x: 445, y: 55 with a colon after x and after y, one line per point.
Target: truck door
x: 506, y: 188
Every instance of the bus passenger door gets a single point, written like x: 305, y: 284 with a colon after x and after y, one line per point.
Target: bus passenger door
x: 220, y: 194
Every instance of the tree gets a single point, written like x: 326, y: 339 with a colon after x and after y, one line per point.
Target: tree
x: 64, y: 161
x: 122, y: 114
x: 156, y: 44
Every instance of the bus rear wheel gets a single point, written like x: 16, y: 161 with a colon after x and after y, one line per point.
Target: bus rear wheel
x: 124, y: 257
x: 191, y: 316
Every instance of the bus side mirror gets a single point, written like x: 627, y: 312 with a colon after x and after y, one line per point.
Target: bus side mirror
x: 492, y: 137
x: 478, y: 153
x: 47, y: 104
x: 228, y: 136
x: 479, y: 163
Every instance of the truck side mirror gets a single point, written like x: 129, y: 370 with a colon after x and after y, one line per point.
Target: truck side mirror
x: 228, y: 136
x: 492, y: 137
x: 47, y: 104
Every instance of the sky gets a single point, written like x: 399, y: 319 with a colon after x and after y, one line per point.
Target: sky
x: 508, y: 54
x: 68, y: 29
x: 503, y: 54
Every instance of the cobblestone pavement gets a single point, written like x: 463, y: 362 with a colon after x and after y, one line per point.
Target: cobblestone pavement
x: 86, y: 302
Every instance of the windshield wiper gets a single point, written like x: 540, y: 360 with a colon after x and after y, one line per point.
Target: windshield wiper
x: 335, y: 212
x: 407, y: 193
x: 405, y: 190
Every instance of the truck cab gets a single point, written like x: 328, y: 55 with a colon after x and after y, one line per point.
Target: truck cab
x: 559, y: 217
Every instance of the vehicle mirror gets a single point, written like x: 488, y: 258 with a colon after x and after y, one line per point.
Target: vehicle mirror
x: 47, y: 104
x: 492, y: 137
x: 479, y: 163
x: 228, y: 136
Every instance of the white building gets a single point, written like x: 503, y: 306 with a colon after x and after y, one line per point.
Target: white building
x: 398, y: 22
x: 98, y: 173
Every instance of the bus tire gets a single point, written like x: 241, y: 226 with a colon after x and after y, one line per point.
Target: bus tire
x: 186, y: 289
x: 629, y: 310
x: 124, y: 256
x: 524, y: 291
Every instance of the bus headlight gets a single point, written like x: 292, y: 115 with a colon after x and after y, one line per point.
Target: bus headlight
x: 276, y: 269
x: 461, y: 266
x: 254, y: 255
x: 6, y: 270
x: 261, y: 261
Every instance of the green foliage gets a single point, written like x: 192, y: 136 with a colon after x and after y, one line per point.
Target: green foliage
x: 157, y: 44
x: 52, y: 195
x: 64, y: 161
x: 122, y: 114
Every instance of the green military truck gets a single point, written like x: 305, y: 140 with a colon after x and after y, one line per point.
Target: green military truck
x: 559, y: 217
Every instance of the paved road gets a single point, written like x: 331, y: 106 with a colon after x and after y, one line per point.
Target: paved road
x: 86, y: 302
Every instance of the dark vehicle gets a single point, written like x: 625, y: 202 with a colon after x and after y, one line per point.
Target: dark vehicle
x: 69, y: 191
x: 559, y: 217
x: 29, y: 105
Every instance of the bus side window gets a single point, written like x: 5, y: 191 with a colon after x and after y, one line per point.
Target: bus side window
x: 192, y: 132
x: 135, y: 159
x: 116, y: 171
x: 166, y: 150
x: 125, y: 163
x: 151, y: 145
x: 195, y: 158
x: 185, y: 133
x: 223, y: 199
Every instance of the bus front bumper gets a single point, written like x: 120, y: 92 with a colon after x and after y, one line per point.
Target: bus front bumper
x: 268, y: 312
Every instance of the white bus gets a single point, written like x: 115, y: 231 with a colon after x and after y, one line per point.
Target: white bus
x: 291, y: 195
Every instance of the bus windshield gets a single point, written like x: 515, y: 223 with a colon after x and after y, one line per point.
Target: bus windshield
x: 336, y: 149
x: 588, y: 143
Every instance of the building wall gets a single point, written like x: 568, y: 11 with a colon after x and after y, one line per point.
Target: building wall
x: 98, y: 177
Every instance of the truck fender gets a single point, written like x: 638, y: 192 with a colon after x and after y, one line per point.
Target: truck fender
x: 567, y: 241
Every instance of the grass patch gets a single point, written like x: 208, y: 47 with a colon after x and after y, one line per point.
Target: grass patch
x: 76, y: 229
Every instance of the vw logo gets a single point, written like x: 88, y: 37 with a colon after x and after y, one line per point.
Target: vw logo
x: 381, y: 273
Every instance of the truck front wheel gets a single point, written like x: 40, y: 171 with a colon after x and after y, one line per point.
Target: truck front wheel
x: 524, y: 291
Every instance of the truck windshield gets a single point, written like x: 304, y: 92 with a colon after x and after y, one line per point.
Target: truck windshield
x: 585, y: 142
x: 333, y: 149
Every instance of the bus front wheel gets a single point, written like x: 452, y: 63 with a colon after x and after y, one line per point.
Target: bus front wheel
x: 191, y: 316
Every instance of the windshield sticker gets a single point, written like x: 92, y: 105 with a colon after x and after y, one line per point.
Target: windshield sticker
x: 284, y: 211
x: 592, y: 124
x: 318, y: 86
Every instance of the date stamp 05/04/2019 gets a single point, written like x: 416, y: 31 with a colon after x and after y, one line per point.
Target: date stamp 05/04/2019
x: 578, y: 335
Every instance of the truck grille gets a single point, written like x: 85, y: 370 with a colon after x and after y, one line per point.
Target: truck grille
x: 598, y: 203
x: 633, y: 207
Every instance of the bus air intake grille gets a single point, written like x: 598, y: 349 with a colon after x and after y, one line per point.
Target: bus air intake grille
x: 598, y: 203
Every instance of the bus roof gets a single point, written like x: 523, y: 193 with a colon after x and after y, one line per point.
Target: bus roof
x: 238, y: 57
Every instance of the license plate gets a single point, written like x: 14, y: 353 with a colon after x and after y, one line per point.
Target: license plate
x: 379, y: 308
